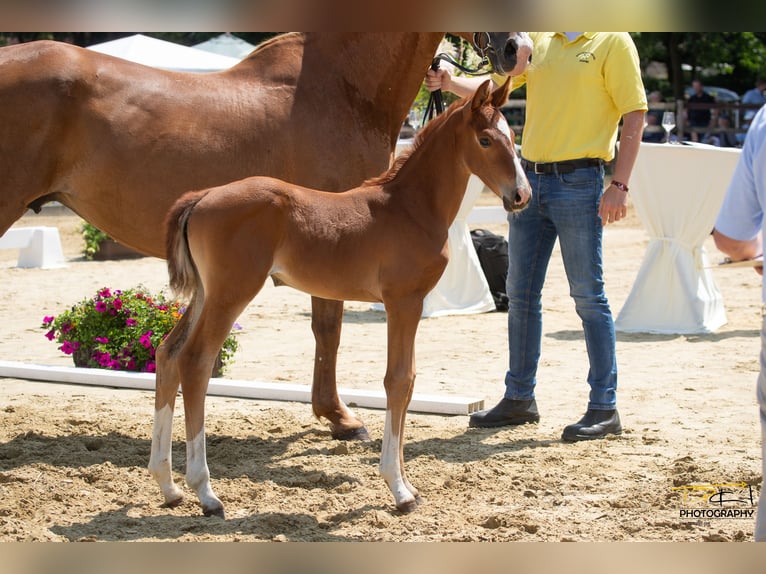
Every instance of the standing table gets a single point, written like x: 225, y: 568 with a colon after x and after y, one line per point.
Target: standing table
x: 677, y: 190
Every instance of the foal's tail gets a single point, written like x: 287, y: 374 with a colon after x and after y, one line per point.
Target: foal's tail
x: 184, y: 277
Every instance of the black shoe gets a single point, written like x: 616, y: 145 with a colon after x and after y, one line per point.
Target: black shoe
x: 595, y: 424
x: 506, y: 412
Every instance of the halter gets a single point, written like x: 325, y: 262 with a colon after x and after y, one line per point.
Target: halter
x: 482, y: 43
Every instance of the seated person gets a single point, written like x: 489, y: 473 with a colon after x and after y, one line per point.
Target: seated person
x: 723, y: 138
x: 699, y: 119
x: 653, y: 132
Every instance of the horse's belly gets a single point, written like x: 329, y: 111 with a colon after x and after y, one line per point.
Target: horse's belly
x: 347, y: 288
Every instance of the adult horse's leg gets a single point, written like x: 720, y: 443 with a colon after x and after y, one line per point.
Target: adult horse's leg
x: 403, y: 318
x: 326, y: 322
x: 168, y: 380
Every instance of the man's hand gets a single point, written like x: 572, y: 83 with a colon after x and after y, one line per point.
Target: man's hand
x: 613, y: 205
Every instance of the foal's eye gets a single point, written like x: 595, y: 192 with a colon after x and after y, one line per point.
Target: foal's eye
x: 485, y: 142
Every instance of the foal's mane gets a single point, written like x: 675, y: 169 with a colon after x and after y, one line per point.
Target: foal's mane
x: 431, y: 126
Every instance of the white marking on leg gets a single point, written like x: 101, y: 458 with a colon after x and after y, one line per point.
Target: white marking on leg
x: 389, y: 464
x: 198, y: 474
x: 160, y: 459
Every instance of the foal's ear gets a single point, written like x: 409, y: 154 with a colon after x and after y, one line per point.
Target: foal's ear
x: 500, y: 95
x: 481, y: 96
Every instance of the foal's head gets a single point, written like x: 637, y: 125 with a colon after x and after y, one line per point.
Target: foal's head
x: 489, y: 148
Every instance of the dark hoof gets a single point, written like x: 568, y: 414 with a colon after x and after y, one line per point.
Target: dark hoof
x: 173, y: 503
x: 352, y: 434
x: 217, y: 511
x: 408, y: 507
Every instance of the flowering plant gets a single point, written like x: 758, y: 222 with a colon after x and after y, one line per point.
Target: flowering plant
x: 93, y: 238
x: 121, y: 330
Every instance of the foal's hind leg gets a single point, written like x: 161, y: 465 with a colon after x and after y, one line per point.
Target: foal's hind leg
x: 326, y: 322
x: 195, y: 363
x: 166, y: 389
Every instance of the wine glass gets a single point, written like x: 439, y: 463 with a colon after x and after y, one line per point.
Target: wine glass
x: 668, y: 123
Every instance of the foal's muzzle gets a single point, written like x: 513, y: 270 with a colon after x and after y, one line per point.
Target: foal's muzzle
x: 520, y: 200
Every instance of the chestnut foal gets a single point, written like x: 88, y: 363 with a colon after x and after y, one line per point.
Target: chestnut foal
x: 383, y: 241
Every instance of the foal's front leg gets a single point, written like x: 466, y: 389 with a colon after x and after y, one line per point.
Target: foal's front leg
x: 403, y: 318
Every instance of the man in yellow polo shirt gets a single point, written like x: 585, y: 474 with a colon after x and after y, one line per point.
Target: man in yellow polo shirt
x: 579, y: 86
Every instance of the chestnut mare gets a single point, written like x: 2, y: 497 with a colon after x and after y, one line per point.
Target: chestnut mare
x: 119, y: 142
x: 383, y: 241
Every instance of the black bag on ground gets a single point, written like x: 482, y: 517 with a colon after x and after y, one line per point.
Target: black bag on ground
x: 492, y: 250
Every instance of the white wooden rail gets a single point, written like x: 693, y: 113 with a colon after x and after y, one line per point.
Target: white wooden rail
x: 452, y: 405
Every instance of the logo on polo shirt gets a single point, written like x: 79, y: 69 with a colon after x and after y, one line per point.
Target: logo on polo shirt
x: 586, y: 57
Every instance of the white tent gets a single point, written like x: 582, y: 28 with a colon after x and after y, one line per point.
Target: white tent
x: 166, y: 55
x: 227, y: 45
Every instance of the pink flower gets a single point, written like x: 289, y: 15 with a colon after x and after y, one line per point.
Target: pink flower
x: 51, y: 335
x: 100, y: 306
x: 146, y: 340
x: 69, y: 347
x: 103, y: 340
x: 117, y: 303
x: 105, y: 359
x: 130, y: 322
x: 105, y: 292
x: 66, y: 327
x: 48, y: 319
x: 150, y: 367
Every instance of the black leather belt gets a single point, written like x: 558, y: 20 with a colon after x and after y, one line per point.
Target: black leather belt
x: 561, y: 166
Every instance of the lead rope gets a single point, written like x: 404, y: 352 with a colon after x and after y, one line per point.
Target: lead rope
x: 435, y: 104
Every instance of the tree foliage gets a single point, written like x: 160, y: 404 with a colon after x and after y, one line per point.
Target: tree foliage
x: 732, y: 60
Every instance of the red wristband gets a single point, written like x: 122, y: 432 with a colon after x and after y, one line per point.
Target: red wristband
x: 619, y: 185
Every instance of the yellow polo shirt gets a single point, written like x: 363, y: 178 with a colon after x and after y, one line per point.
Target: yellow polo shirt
x: 576, y: 94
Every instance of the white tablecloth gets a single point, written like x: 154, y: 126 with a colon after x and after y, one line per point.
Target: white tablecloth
x: 677, y: 191
x: 463, y: 288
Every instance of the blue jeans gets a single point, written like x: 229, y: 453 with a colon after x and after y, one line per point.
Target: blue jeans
x: 563, y: 206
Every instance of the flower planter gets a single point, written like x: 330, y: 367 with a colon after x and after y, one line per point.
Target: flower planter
x: 121, y: 330
x: 81, y: 355
x: 109, y: 249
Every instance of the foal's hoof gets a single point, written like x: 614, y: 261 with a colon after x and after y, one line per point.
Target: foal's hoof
x: 351, y: 434
x: 173, y: 503
x: 409, y: 506
x: 214, y: 511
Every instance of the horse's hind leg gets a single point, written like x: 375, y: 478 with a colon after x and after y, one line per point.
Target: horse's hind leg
x: 326, y: 322
x: 166, y: 389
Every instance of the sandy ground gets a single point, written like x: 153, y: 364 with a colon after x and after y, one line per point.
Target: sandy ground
x: 73, y: 458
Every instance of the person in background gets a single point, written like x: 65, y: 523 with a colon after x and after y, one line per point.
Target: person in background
x: 723, y: 138
x: 653, y: 132
x: 754, y: 96
x: 579, y: 86
x: 699, y: 119
x: 738, y: 233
